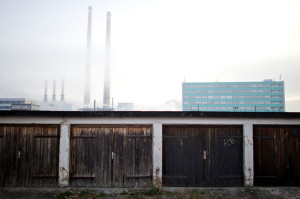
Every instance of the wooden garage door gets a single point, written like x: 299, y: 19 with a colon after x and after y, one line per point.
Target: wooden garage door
x: 29, y: 155
x: 111, y: 156
x: 276, y: 155
x: 202, y: 156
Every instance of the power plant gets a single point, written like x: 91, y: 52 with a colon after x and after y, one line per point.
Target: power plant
x: 55, y: 105
x: 106, y: 95
x: 87, y: 86
x: 45, y: 94
x: 62, y: 99
x: 54, y: 91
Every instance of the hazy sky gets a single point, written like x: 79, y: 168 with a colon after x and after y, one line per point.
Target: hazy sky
x: 155, y: 45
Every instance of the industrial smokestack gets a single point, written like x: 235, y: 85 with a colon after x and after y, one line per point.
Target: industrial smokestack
x: 62, y: 99
x: 45, y: 94
x: 106, y: 96
x: 87, y: 87
x: 54, y: 91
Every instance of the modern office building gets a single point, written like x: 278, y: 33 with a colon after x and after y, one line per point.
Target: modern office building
x: 265, y: 96
x: 19, y: 104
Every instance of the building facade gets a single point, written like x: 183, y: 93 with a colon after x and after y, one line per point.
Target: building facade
x: 149, y: 148
x: 265, y: 96
x: 19, y: 104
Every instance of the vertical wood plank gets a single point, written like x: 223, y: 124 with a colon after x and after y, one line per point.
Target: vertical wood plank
x: 11, y: 156
x: 117, y: 149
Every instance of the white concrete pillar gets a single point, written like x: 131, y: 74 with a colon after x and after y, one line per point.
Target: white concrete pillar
x: 157, y: 154
x: 64, y: 154
x: 248, y: 155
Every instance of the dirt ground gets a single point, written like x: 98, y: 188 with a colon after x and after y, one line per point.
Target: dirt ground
x: 165, y: 193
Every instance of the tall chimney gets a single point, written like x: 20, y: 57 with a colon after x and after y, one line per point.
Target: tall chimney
x: 62, y: 99
x: 54, y: 91
x: 87, y: 87
x: 106, y: 96
x: 45, y: 94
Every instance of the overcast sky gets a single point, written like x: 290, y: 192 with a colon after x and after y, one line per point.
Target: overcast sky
x: 155, y: 45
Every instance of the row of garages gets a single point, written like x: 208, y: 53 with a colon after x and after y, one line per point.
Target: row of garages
x: 122, y: 155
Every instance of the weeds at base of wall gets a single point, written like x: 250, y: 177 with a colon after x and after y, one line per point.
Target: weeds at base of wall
x: 65, y: 195
x: 82, y: 194
x: 154, y: 191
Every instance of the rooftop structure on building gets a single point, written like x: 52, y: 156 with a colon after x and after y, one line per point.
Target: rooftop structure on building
x: 23, y: 104
x: 56, y: 106
x: 125, y: 106
x: 265, y: 96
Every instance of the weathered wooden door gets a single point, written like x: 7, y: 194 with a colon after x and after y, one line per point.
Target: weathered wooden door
x: 90, y: 156
x: 137, y: 158
x: 202, y: 156
x: 276, y: 155
x: 106, y: 156
x: 29, y: 155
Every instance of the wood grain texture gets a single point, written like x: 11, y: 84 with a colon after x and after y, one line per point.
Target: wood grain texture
x: 115, y: 156
x: 195, y: 156
x: 27, y: 160
x: 276, y: 155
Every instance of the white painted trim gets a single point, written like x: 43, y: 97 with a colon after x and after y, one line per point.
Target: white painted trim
x: 157, y: 153
x: 64, y: 155
x: 145, y: 121
x: 248, y: 154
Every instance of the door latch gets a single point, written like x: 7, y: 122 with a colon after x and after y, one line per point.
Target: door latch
x: 112, y: 155
x: 19, y: 154
x: 204, y: 154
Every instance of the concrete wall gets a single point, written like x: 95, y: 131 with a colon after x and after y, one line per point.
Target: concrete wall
x: 157, y: 123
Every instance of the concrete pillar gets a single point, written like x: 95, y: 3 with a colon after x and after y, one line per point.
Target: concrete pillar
x: 64, y: 155
x: 248, y: 155
x: 157, y: 154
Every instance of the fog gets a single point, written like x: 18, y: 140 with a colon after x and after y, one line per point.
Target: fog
x: 155, y: 45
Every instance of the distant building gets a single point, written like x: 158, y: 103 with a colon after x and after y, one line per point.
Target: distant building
x: 19, y: 104
x: 265, y: 96
x: 56, y: 106
x: 125, y: 107
x: 95, y: 109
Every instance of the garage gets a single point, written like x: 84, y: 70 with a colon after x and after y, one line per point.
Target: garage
x: 111, y: 156
x: 29, y: 155
x: 202, y: 155
x: 276, y: 155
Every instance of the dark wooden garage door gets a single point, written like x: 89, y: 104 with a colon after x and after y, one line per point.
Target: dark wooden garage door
x: 111, y: 156
x: 29, y: 155
x: 276, y: 155
x: 202, y: 156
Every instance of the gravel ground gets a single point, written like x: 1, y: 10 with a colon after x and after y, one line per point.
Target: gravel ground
x: 193, y: 193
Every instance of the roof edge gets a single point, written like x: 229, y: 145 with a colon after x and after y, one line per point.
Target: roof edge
x: 175, y: 114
